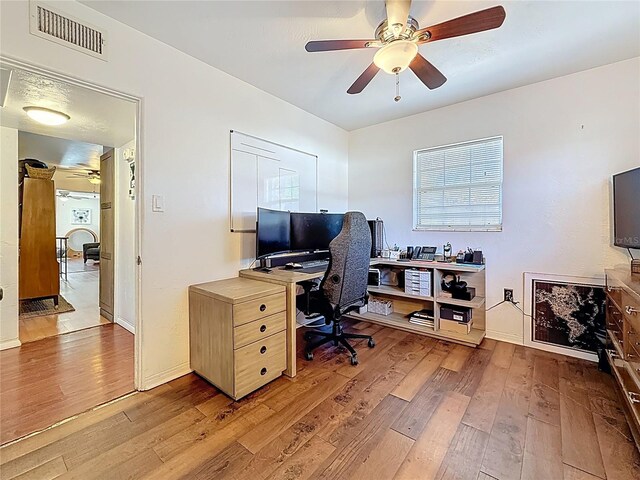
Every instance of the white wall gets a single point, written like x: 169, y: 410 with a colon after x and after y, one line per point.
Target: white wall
x: 188, y: 110
x: 125, y: 252
x: 64, y: 217
x: 9, y: 237
x: 563, y: 139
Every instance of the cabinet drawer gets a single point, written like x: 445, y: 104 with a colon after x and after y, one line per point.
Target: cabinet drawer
x: 263, y: 307
x: 631, y: 310
x: 258, y: 363
x: 258, y: 329
x: 614, y: 290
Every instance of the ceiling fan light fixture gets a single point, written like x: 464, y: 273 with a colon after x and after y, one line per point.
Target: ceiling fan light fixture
x: 395, y: 56
x: 94, y: 180
x: 46, y: 116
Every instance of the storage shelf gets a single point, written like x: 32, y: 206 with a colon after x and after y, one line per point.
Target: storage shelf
x: 444, y: 266
x: 400, y: 321
x: 396, y: 291
x: 475, y: 302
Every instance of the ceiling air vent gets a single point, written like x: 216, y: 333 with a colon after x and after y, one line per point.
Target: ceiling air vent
x: 49, y: 23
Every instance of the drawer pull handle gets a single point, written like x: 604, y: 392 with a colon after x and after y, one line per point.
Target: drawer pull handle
x: 631, y: 355
x: 263, y: 371
x: 263, y: 350
x: 630, y: 310
x: 263, y: 307
x: 263, y: 328
x: 633, y: 397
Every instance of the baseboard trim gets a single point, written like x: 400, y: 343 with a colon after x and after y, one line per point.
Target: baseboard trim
x: 505, y: 337
x: 126, y: 325
x: 166, y: 376
x: 7, y: 344
x: 105, y: 314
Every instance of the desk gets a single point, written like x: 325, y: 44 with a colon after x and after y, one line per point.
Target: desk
x: 404, y: 303
x: 289, y: 279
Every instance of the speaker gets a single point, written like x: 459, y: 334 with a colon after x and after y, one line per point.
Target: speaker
x: 377, y: 233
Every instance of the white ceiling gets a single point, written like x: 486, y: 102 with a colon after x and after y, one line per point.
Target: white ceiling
x: 96, y: 118
x: 59, y: 152
x: 262, y: 43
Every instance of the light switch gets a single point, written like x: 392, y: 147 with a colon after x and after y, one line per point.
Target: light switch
x: 157, y: 203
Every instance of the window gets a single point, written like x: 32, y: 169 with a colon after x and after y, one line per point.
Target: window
x: 458, y: 187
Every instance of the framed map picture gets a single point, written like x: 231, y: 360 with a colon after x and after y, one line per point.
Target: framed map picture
x: 565, y: 314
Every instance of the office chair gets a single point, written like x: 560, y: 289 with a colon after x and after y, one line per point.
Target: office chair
x: 344, y: 286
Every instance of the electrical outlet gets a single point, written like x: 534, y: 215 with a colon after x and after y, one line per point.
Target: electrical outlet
x: 508, y: 295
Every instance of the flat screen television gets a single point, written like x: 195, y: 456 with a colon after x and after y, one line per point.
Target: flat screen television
x: 626, y: 209
x: 314, y: 231
x: 273, y: 232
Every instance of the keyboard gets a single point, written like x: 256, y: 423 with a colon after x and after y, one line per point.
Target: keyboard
x: 314, y: 266
x: 315, y: 263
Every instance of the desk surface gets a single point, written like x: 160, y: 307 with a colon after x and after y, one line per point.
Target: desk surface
x: 459, y: 267
x: 280, y: 275
x: 283, y: 277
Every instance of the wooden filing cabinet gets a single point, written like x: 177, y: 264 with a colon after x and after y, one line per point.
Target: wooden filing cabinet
x: 237, y: 333
x: 623, y: 328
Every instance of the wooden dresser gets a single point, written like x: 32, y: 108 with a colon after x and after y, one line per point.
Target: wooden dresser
x: 237, y: 333
x: 623, y: 328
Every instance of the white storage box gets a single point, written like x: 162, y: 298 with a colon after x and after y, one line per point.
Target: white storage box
x: 381, y: 307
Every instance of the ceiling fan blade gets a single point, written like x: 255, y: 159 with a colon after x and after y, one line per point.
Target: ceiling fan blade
x: 427, y: 73
x: 397, y: 15
x: 329, y: 45
x: 474, y: 22
x: 364, y: 79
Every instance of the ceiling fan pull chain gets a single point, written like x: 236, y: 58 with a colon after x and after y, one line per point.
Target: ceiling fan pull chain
x: 397, y: 97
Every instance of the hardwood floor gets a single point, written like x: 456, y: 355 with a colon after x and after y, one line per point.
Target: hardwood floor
x: 82, y: 290
x: 415, y: 408
x: 44, y: 382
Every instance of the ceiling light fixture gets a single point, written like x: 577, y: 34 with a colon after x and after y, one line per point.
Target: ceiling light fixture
x: 46, y: 116
x: 94, y: 180
x: 395, y: 56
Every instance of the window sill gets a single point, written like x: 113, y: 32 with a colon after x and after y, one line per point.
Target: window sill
x: 497, y: 228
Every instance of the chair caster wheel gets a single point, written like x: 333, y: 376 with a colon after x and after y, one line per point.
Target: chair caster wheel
x: 354, y: 360
x: 308, y: 355
x: 371, y: 343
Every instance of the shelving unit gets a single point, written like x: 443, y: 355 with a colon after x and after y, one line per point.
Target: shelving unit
x: 405, y: 303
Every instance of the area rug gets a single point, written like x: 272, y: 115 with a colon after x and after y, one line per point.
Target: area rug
x: 39, y: 308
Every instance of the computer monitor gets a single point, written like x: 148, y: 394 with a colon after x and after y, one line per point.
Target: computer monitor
x: 273, y: 232
x: 626, y: 209
x: 314, y: 231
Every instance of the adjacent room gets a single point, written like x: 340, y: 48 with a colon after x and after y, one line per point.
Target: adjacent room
x: 287, y: 239
x: 68, y: 204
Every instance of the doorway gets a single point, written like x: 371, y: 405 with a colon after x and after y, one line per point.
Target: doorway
x: 69, y: 272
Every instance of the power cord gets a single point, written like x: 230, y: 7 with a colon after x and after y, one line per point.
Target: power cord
x: 511, y: 302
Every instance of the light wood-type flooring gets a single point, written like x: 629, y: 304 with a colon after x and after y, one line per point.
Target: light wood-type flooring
x: 81, y: 290
x: 415, y: 408
x: 47, y: 381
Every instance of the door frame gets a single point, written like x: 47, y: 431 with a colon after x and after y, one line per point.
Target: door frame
x: 139, y: 210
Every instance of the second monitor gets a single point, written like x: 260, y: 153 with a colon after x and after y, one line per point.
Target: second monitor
x: 314, y: 231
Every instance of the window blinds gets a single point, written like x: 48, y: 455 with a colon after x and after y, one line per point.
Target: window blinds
x: 459, y: 187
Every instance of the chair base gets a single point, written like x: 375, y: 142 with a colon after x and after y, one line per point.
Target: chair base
x: 337, y: 336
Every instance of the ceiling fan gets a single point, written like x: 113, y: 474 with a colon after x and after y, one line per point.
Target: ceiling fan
x: 65, y: 195
x: 398, y: 37
x: 92, y: 175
